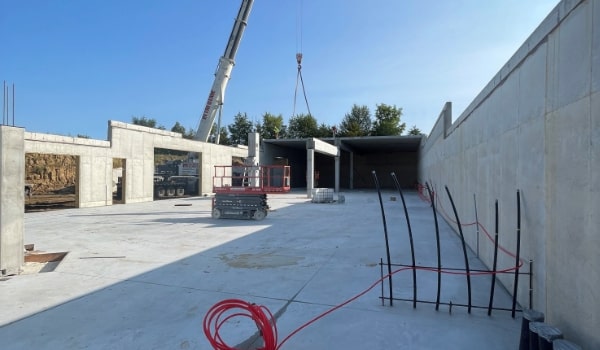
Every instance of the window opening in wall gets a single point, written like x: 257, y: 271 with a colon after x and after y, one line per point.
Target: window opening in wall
x: 118, y: 180
x: 176, y: 173
x: 50, y: 181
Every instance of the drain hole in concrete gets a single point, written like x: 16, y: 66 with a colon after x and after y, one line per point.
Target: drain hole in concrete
x: 37, y: 262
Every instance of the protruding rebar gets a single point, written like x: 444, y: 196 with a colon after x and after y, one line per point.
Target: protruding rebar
x: 387, y: 243
x: 464, y: 246
x: 438, y: 245
x: 410, y: 237
x: 476, y: 222
x: 517, y: 256
x: 495, y: 263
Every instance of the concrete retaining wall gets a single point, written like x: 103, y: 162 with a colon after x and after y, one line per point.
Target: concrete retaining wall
x: 535, y: 128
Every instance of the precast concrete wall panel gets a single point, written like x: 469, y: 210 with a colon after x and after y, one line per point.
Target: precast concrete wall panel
x: 96, y: 175
x: 573, y: 66
x: 536, y: 128
x: 133, y: 143
x: 532, y: 184
x: 568, y: 237
x: 532, y: 84
x: 595, y: 47
x: 12, y: 182
x: 94, y: 178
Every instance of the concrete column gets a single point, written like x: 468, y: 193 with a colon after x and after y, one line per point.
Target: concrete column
x: 12, y: 199
x: 310, y: 171
x: 253, y: 146
x: 337, y: 174
x: 351, y: 170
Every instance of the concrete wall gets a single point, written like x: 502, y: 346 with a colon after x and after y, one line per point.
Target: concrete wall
x: 12, y: 182
x: 136, y: 144
x: 94, y: 181
x: 536, y: 128
x: 133, y: 143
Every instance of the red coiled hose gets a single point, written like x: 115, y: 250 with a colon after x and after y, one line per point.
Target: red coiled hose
x: 224, y: 310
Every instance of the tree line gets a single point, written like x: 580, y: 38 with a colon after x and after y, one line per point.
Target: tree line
x: 357, y: 122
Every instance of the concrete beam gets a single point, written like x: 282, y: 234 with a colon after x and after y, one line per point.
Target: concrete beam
x: 322, y: 147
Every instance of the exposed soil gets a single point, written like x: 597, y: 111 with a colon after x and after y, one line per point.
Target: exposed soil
x: 43, y: 202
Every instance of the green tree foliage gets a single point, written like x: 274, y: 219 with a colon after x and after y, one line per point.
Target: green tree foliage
x: 387, y: 121
x: 178, y: 128
x: 185, y: 133
x: 357, y: 122
x: 302, y: 126
x: 240, y: 129
x: 271, y: 127
x: 324, y: 130
x: 414, y: 131
x: 149, y: 122
x: 223, y: 137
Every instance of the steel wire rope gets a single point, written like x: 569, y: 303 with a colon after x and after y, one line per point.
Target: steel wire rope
x: 299, y: 78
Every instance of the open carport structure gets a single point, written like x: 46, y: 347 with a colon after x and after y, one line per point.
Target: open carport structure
x: 349, y: 165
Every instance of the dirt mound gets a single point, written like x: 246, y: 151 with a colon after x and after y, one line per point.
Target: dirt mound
x: 51, y: 173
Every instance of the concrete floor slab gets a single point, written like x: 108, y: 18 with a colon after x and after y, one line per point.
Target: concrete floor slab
x: 144, y: 275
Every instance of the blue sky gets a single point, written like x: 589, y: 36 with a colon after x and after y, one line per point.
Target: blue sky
x: 77, y: 64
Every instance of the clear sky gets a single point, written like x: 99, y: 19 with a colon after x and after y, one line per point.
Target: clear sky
x: 78, y: 63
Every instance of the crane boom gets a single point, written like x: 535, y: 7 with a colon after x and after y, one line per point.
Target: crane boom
x: 226, y: 63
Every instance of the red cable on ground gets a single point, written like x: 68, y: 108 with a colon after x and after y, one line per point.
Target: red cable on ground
x: 266, y: 323
x: 447, y: 217
x: 222, y: 312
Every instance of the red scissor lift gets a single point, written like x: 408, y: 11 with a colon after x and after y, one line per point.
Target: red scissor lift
x: 241, y: 191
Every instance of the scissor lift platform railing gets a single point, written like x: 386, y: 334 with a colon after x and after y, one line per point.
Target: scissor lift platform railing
x: 241, y: 191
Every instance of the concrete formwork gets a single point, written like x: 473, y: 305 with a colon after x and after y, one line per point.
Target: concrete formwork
x: 535, y: 128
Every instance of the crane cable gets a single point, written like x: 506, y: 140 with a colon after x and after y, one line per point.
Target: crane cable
x: 299, y: 60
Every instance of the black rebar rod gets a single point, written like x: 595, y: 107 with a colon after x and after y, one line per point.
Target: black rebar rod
x: 476, y: 222
x: 381, y: 278
x: 13, y: 109
x: 385, y: 231
x: 456, y: 304
x: 517, y: 256
x: 495, y: 263
x: 3, y: 102
x: 433, y: 268
x: 410, y: 237
x: 464, y: 246
x: 437, y: 240
x: 531, y: 284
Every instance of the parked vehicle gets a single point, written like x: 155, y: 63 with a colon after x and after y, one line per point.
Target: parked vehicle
x: 175, y: 186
